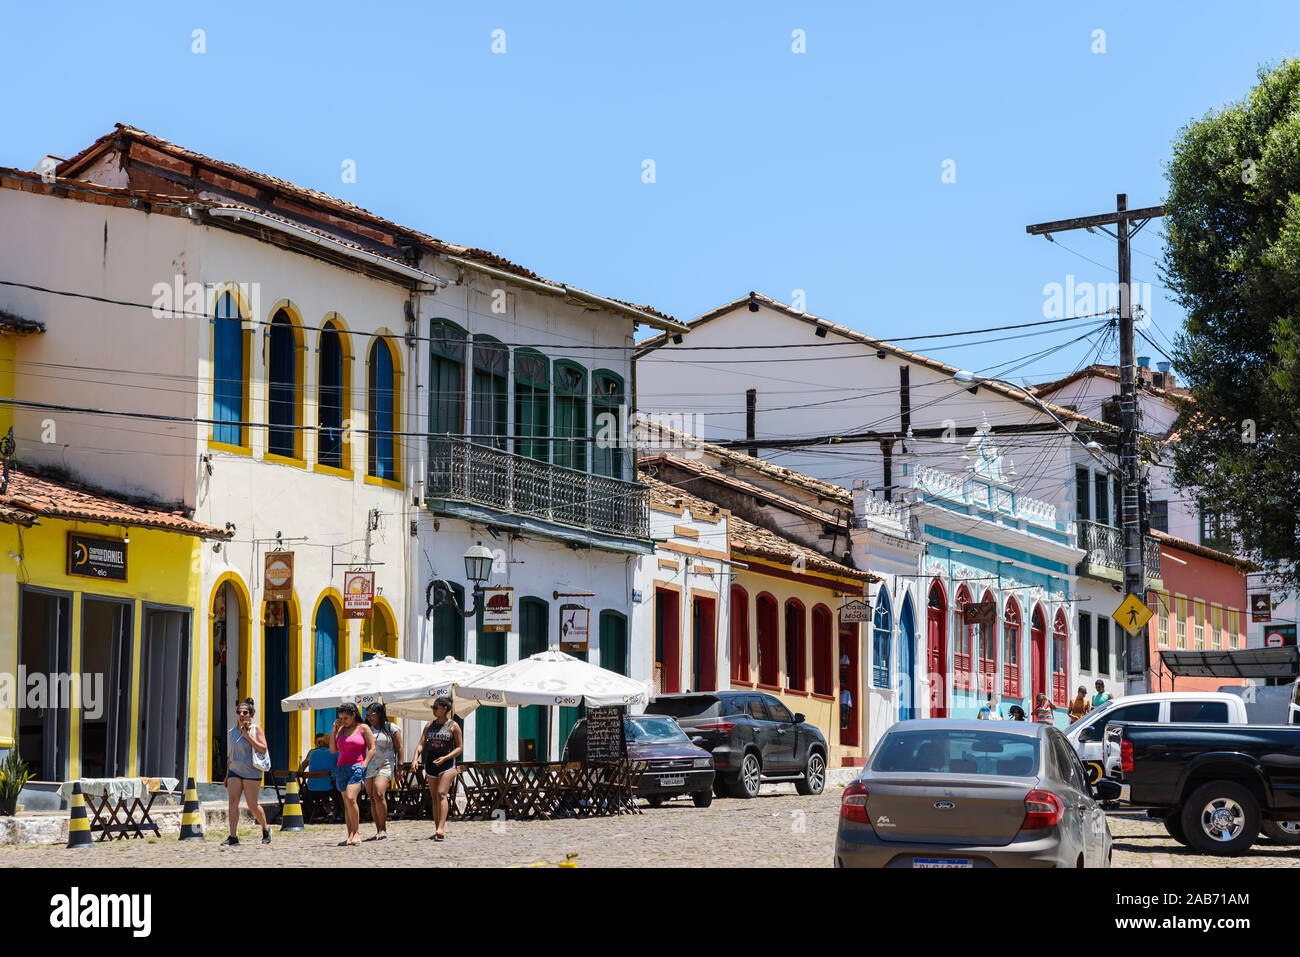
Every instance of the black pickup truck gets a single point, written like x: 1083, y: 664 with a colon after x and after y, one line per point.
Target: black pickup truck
x: 1215, y: 786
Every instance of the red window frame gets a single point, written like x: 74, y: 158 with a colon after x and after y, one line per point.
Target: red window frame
x: 768, y: 617
x: 740, y: 635
x: 1060, y: 648
x: 987, y: 650
x: 823, y: 651
x: 963, y: 644
x: 1011, y: 650
x: 798, y: 680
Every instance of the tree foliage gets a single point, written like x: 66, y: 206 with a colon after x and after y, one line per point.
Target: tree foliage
x: 1233, y: 259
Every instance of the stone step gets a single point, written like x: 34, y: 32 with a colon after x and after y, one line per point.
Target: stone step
x: 51, y: 827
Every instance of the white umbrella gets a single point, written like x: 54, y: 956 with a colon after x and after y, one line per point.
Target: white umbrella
x: 554, y: 678
x: 407, y: 689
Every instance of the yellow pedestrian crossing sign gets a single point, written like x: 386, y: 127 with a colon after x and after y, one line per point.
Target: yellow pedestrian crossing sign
x: 1132, y: 615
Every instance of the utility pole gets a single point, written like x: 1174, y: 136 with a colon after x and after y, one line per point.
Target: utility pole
x: 1137, y: 678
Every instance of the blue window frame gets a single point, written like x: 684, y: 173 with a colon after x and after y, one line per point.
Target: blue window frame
x: 882, y: 631
x: 228, y: 373
x: 382, y: 455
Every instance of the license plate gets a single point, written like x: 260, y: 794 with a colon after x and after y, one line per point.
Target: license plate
x: 672, y: 781
x: 941, y: 862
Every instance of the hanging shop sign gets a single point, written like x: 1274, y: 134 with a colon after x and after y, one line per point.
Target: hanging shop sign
x: 980, y: 613
x: 574, y: 621
x: 1261, y: 607
x: 358, y: 594
x: 855, y: 611
x: 90, y: 556
x: 277, y: 580
x: 276, y: 614
x: 498, y: 609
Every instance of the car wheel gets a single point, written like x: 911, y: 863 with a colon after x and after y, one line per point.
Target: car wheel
x: 1174, y: 825
x: 1284, y: 832
x: 814, y: 779
x: 1221, y: 817
x: 748, y: 778
x: 702, y: 798
x: 654, y: 800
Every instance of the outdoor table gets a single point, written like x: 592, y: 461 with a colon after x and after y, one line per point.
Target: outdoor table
x: 526, y: 790
x: 132, y: 798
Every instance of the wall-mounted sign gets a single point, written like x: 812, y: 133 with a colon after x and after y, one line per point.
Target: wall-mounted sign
x: 358, y: 594
x: 277, y: 581
x: 1261, y: 607
x: 855, y: 611
x: 637, y: 596
x: 980, y: 613
x: 1279, y: 636
x: 275, y: 616
x: 498, y: 609
x: 574, y: 620
x: 92, y: 557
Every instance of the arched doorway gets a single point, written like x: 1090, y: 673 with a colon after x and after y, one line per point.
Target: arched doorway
x: 906, y: 662
x: 279, y: 665
x: 936, y: 650
x: 228, y: 616
x: 325, y: 657
x: 1037, y: 655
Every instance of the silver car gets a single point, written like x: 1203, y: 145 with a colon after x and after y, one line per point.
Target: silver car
x: 947, y: 793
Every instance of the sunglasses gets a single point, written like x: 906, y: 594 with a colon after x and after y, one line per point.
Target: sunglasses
x: 243, y: 713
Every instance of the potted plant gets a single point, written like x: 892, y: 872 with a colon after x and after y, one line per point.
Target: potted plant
x: 14, y: 775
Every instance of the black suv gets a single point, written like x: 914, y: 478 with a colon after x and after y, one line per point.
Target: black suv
x: 753, y: 738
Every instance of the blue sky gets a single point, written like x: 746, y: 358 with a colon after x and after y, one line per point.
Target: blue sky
x: 774, y: 171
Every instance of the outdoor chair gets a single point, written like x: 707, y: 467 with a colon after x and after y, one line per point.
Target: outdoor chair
x: 316, y: 804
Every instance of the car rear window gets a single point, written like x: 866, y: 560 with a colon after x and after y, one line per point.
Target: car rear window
x: 1208, y: 712
x: 958, y: 752
x: 695, y: 706
x: 1147, y: 711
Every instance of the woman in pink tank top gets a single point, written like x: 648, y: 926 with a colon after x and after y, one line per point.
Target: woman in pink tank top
x: 354, y: 743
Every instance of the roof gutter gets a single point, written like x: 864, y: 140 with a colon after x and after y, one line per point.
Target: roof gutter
x: 342, y: 249
x: 571, y: 292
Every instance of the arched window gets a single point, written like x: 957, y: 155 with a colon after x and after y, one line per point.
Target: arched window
x: 963, y: 644
x: 606, y: 400
x: 987, y: 636
x: 332, y: 397
x: 823, y: 651
x: 768, y: 641
x: 449, y: 628
x: 229, y: 374
x: 739, y: 613
x: 284, y: 411
x: 571, y: 415
x: 1011, y: 650
x: 936, y: 650
x: 1060, y: 638
x: 882, y: 630
x: 446, y: 402
x: 532, y: 404
x: 489, y: 392
x: 796, y: 678
x: 381, y: 446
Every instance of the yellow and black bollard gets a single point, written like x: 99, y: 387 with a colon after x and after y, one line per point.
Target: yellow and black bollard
x: 191, y: 816
x: 78, y: 823
x: 291, y: 816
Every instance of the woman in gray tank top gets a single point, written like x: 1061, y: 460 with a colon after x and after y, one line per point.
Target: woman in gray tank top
x: 383, y: 767
x: 242, y: 776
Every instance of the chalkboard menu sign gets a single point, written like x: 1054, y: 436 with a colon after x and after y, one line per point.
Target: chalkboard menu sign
x: 605, y: 740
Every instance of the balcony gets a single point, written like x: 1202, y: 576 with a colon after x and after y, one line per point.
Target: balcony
x: 1104, y: 553
x: 530, y: 492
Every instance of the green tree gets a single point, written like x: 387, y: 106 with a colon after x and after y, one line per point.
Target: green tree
x: 1233, y: 260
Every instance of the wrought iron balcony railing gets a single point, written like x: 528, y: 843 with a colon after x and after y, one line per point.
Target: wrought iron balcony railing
x: 1104, y: 548
x: 460, y: 470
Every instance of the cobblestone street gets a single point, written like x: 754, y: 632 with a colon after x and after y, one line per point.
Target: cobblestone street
x: 776, y: 830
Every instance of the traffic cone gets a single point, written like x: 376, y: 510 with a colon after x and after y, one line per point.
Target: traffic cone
x: 291, y: 816
x: 78, y: 823
x: 191, y: 816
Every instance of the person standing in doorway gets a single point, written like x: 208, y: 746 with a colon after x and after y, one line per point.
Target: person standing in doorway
x: 1044, y: 713
x: 242, y: 776
x: 354, y: 743
x: 1079, y: 705
x: 383, y: 767
x: 440, y: 744
x: 1102, y: 695
x: 992, y: 710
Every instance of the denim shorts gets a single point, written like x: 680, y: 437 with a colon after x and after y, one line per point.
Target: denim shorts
x: 237, y: 775
x: 348, y: 774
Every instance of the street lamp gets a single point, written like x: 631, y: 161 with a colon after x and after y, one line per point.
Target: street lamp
x: 478, y: 567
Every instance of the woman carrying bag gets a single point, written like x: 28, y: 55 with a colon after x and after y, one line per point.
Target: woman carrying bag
x: 248, y: 758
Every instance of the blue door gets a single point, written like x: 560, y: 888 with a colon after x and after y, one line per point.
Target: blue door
x: 327, y: 658
x: 906, y: 662
x: 275, y: 664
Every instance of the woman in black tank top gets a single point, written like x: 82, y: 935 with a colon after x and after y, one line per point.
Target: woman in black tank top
x: 440, y: 745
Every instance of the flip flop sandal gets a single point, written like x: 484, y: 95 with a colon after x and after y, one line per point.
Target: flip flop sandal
x: 440, y: 837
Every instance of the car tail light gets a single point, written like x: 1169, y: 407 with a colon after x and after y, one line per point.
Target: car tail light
x: 853, y: 804
x: 1126, y: 756
x: 723, y: 726
x: 1042, y: 809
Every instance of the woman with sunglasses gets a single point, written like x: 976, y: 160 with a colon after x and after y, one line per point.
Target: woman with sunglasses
x: 354, y: 743
x: 242, y: 777
x: 382, y: 767
x: 440, y: 744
